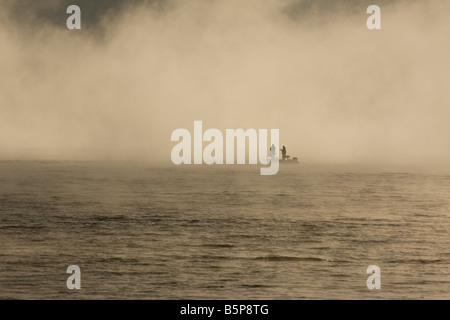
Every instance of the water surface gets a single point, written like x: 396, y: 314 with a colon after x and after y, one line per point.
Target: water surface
x: 221, y: 232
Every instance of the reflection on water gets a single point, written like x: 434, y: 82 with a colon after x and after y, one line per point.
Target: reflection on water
x: 221, y: 232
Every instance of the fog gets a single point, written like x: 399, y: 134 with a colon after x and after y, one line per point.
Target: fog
x: 338, y: 92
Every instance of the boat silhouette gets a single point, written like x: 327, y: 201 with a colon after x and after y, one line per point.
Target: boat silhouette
x: 288, y: 160
x: 285, y: 159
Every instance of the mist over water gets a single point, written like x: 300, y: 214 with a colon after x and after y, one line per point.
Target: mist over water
x: 116, y: 89
x: 309, y: 232
x: 86, y: 177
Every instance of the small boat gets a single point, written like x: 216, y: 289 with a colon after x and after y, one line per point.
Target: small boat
x: 285, y: 158
x: 288, y: 160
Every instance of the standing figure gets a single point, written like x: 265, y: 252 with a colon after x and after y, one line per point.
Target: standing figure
x: 272, y: 151
x: 283, y: 152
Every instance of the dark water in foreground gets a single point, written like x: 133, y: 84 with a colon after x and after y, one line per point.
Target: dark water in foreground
x: 221, y: 232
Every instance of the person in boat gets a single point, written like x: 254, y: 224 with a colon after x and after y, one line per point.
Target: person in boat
x: 272, y: 151
x: 283, y: 152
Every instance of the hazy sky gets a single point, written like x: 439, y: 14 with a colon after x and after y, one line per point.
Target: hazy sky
x: 117, y: 89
